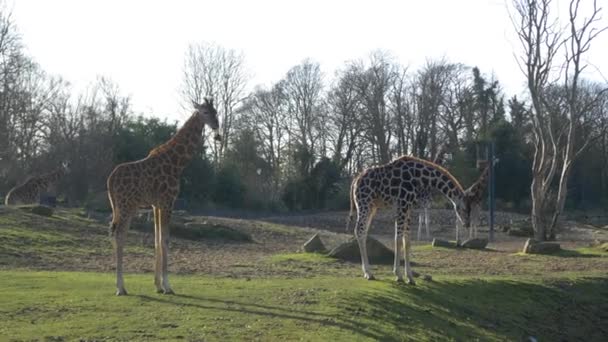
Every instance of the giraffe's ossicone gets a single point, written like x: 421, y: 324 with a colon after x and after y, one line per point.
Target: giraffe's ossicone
x: 154, y: 181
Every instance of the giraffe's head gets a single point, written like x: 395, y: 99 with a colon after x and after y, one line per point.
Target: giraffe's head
x: 208, y: 114
x: 463, y: 210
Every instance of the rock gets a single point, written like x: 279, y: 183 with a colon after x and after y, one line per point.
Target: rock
x: 475, y: 243
x: 604, y: 246
x: 535, y: 247
x: 41, y: 210
x: 427, y: 277
x: 442, y: 243
x: 376, y: 251
x: 314, y: 245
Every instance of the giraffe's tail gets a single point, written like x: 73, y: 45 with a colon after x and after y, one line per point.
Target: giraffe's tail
x: 349, y: 219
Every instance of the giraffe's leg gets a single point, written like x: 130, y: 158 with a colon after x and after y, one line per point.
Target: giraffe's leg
x: 119, y: 232
x: 165, y: 218
x: 419, y: 227
x: 399, y: 222
x: 407, y: 248
x: 364, y: 219
x: 157, y: 251
x: 457, y: 232
x: 426, y: 222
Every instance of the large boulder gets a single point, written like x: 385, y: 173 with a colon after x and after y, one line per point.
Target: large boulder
x: 314, y: 245
x: 476, y: 243
x: 442, y: 243
x: 376, y: 251
x: 604, y: 246
x: 536, y: 247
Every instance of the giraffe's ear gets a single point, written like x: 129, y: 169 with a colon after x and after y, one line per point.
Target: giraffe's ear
x: 209, y: 101
x: 195, y: 105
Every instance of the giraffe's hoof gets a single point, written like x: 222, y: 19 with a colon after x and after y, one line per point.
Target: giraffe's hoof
x: 411, y: 281
x: 121, y: 292
x: 168, y: 292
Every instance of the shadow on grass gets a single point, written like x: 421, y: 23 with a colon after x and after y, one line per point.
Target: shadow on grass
x: 465, y: 310
x: 273, y: 312
x: 570, y: 253
x: 496, y: 309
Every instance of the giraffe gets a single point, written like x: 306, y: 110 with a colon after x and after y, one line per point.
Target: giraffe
x: 29, y: 191
x: 474, y: 194
x: 154, y: 181
x: 425, y: 199
x: 399, y: 184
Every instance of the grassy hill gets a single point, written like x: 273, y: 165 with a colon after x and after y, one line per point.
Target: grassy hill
x: 56, y: 284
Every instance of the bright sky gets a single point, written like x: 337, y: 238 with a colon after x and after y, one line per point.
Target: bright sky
x: 140, y: 45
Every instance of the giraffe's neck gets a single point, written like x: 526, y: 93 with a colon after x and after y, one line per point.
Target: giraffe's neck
x: 479, y: 186
x: 181, y: 147
x: 434, y: 176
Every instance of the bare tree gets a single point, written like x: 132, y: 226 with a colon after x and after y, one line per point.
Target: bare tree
x: 374, y: 82
x: 344, y: 124
x: 555, y: 123
x: 212, y: 70
x: 302, y: 88
x: 265, y: 114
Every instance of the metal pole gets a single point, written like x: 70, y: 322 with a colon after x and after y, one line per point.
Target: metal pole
x: 491, y: 194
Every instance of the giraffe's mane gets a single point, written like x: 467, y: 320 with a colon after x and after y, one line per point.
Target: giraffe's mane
x: 169, y: 144
x: 435, y: 166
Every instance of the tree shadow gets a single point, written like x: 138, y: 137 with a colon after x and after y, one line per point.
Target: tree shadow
x: 509, y: 310
x: 571, y: 253
x: 204, y: 303
x: 447, y: 310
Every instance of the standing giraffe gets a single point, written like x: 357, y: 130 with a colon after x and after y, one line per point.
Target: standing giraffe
x: 399, y: 184
x: 475, y: 196
x: 154, y: 181
x: 29, y: 191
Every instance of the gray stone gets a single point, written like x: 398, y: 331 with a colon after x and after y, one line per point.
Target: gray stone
x: 314, y: 245
x: 376, y: 251
x: 604, y: 246
x: 476, y: 243
x: 442, y: 243
x: 535, y: 247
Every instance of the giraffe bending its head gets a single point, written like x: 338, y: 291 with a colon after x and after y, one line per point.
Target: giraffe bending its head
x: 154, y: 181
x: 29, y: 191
x: 474, y: 196
x: 426, y: 197
x: 399, y: 184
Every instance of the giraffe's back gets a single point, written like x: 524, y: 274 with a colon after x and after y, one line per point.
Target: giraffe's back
x: 145, y: 182
x: 404, y: 180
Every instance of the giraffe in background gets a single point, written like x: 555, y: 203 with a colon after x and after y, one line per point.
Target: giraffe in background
x: 399, y: 184
x: 426, y: 199
x: 29, y: 191
x: 475, y: 195
x: 154, y: 181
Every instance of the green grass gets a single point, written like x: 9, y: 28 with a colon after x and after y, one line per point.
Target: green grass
x: 475, y: 295
x: 73, y: 306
